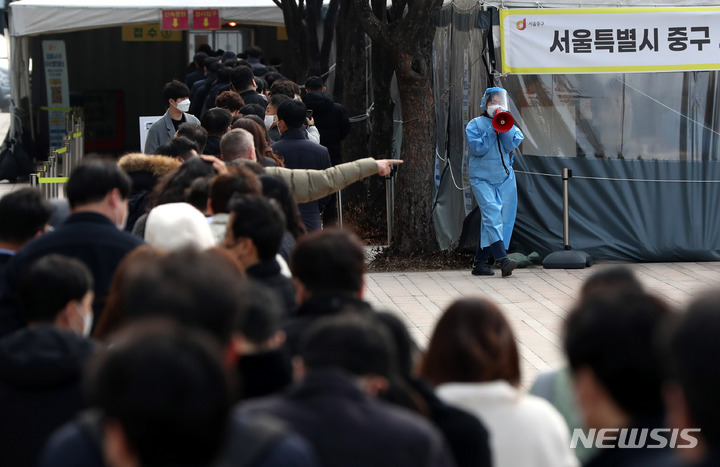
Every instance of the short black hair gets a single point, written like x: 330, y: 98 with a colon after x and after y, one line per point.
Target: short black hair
x: 211, y: 63
x: 358, y: 344
x: 616, y: 336
x: 277, y: 100
x: 257, y: 119
x: 694, y: 359
x: 92, y: 180
x: 272, y: 76
x: 259, y: 219
x: 46, y: 286
x: 254, y: 51
x: 188, y: 286
x: 199, y: 58
x: 342, y: 266
x: 314, y: 84
x: 180, y: 146
x: 23, y: 213
x: 195, y: 132
x: 253, y: 109
x: 224, y: 186
x: 175, y: 89
x: 216, y: 121
x: 610, y: 280
x: 260, y: 83
x: 205, y: 47
x: 167, y: 389
x: 242, y: 78
x: 285, y: 87
x: 260, y: 312
x: 293, y: 113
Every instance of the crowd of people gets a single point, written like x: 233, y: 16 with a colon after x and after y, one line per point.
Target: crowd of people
x: 187, y: 312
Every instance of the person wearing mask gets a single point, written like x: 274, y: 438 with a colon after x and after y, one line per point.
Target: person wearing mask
x: 98, y: 195
x: 162, y: 131
x: 493, y: 182
x: 41, y: 366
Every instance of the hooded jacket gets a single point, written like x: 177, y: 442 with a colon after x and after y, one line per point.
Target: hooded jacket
x: 40, y: 388
x: 144, y: 170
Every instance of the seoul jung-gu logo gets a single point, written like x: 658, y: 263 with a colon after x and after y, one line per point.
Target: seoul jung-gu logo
x: 522, y: 24
x: 635, y: 438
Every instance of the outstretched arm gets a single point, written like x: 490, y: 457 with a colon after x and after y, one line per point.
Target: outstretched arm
x: 309, y: 185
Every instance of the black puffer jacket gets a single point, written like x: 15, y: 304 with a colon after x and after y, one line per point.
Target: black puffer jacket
x: 40, y: 388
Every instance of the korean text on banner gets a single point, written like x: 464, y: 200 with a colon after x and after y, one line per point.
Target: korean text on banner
x: 206, y: 19
x: 599, y: 40
x: 175, y: 19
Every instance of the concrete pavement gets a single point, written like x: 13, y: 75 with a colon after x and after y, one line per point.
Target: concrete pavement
x: 534, y: 299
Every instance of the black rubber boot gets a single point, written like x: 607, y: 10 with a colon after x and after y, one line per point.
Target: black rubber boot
x: 482, y: 269
x: 506, y: 265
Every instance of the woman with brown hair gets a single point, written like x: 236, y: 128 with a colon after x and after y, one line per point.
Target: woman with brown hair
x: 263, y: 152
x: 473, y: 361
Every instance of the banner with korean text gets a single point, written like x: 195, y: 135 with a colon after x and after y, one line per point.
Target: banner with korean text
x: 599, y: 40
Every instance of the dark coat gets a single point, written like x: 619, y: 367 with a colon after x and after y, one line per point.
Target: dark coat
x: 4, y: 260
x: 40, y: 388
x: 301, y: 153
x: 268, y: 273
x: 212, y: 95
x: 312, y: 310
x: 252, y: 97
x: 331, y: 120
x: 90, y: 237
x: 212, y: 147
x: 194, y: 76
x: 465, y: 434
x: 348, y: 429
x: 264, y: 374
x: 253, y: 442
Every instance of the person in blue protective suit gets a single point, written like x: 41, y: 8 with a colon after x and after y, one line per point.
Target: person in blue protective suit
x: 493, y: 182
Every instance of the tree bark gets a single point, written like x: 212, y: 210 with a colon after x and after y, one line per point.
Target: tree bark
x: 303, y: 22
x: 407, y: 37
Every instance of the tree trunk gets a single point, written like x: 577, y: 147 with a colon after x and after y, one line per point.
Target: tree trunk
x: 297, y: 38
x: 414, y: 229
x: 406, y: 32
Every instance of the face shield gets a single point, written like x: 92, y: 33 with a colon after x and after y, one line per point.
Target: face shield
x: 494, y: 99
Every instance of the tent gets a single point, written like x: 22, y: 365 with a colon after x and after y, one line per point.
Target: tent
x: 644, y: 147
x: 42, y: 17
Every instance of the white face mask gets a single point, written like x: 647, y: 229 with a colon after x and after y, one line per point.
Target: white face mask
x: 87, y: 321
x: 492, y: 109
x: 269, y: 120
x: 184, y: 106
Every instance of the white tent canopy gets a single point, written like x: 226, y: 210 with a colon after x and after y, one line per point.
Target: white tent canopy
x: 33, y: 17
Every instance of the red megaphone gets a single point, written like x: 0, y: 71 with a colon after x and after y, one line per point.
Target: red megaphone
x: 502, y: 121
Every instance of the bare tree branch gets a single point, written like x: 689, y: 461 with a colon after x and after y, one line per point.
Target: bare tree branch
x: 328, y: 33
x: 370, y: 23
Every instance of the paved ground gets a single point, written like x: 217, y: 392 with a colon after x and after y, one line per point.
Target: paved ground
x: 536, y: 300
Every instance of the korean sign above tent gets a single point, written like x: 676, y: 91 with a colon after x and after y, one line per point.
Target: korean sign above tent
x: 598, y: 40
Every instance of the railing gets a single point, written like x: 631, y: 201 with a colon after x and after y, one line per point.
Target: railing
x: 53, y: 173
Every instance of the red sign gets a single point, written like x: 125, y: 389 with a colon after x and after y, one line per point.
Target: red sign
x: 206, y: 19
x: 174, y: 19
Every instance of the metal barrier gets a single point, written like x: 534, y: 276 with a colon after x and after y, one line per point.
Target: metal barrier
x: 61, y: 161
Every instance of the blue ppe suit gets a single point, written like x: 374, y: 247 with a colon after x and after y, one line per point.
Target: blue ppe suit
x: 493, y: 183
